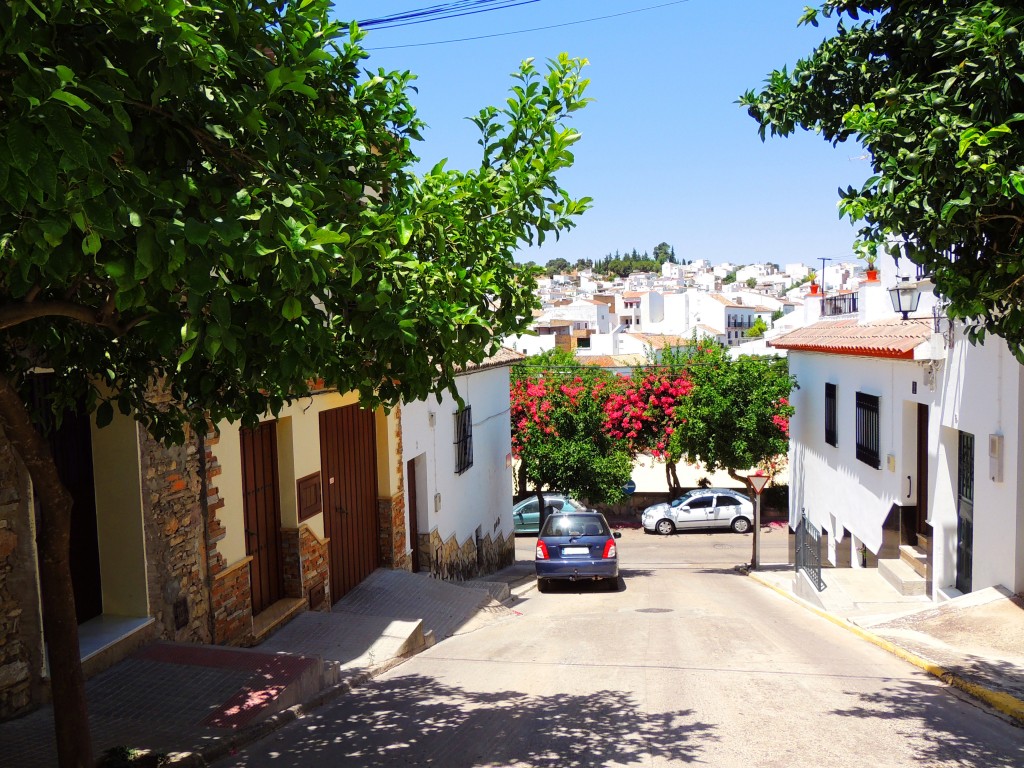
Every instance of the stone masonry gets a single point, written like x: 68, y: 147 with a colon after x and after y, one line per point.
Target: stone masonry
x: 452, y: 561
x: 391, y: 512
x: 306, y: 563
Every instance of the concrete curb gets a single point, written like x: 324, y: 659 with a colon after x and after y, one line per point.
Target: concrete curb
x: 245, y: 736
x: 1002, y: 702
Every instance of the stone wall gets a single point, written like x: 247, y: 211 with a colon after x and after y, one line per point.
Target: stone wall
x: 391, y: 512
x: 175, y: 539
x: 21, y: 682
x: 452, y: 561
x: 306, y: 563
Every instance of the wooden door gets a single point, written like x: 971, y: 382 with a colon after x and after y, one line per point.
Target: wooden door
x: 922, y: 469
x: 414, y: 529
x: 348, y: 456
x: 262, y: 514
x: 71, y: 446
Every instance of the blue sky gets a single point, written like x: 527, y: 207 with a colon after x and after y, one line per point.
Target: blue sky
x: 666, y: 152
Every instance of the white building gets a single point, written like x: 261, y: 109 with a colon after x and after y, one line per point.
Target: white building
x: 458, y: 474
x: 907, y: 440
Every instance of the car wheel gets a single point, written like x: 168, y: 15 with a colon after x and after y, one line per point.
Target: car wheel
x: 741, y: 525
x: 542, y: 585
x: 665, y: 527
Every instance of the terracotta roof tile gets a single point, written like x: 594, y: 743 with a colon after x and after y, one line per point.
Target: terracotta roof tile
x: 502, y: 357
x: 893, y: 338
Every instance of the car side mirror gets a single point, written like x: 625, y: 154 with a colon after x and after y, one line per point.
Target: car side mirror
x: 617, y: 534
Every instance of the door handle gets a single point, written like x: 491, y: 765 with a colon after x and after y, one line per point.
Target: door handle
x: 909, y: 485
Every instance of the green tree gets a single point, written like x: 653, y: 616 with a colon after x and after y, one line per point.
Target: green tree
x: 736, y: 415
x: 751, y: 282
x: 757, y: 330
x: 556, y: 267
x: 664, y: 252
x: 729, y: 278
x: 215, y: 200
x: 558, y: 435
x: 935, y: 93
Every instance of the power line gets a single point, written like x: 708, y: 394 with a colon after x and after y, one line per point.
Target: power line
x: 532, y: 29
x: 439, y: 12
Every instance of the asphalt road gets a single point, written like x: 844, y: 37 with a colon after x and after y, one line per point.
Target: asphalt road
x: 689, y: 662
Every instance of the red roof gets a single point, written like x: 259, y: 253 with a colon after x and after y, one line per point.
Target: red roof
x: 893, y: 338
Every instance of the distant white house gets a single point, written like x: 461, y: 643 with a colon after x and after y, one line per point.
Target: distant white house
x: 907, y: 440
x: 458, y: 474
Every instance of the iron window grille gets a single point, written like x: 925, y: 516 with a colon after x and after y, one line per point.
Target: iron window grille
x: 463, y: 439
x: 831, y: 416
x: 868, y: 446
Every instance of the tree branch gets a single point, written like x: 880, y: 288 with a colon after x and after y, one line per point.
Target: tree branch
x: 12, y: 315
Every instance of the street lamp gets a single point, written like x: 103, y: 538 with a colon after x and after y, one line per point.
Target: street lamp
x: 757, y: 483
x: 905, y: 296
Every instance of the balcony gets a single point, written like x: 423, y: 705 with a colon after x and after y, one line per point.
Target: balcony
x: 840, y: 304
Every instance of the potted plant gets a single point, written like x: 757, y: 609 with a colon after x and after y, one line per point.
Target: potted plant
x: 813, y: 277
x: 869, y: 252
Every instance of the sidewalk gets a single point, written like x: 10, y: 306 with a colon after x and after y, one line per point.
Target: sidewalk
x: 974, y: 642
x: 197, y: 703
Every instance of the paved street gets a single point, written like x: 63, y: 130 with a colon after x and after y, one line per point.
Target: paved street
x: 688, y: 663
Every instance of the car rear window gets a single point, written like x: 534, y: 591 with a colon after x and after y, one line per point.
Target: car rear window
x: 575, y: 525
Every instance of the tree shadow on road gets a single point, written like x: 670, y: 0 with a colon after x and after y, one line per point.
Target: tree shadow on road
x: 416, y: 720
x: 934, y: 718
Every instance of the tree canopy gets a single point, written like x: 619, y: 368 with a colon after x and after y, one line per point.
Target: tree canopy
x: 935, y: 93
x: 558, y: 428
x: 218, y: 199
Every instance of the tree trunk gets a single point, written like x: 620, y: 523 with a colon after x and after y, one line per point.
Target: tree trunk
x: 542, y: 512
x: 753, y: 500
x: 672, y: 478
x: 60, y: 625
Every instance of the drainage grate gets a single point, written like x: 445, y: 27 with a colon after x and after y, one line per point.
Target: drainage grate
x: 654, y: 610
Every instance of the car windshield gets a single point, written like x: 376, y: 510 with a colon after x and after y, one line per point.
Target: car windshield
x: 575, y: 525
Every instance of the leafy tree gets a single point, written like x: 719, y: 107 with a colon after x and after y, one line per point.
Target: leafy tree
x: 664, y: 252
x: 757, y: 330
x: 556, y: 267
x: 778, y: 314
x: 558, y: 416
x: 935, y: 93
x: 736, y: 415
x: 644, y: 413
x: 729, y: 279
x: 214, y: 200
x: 751, y: 282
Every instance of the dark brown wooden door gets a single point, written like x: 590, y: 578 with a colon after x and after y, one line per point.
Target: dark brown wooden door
x: 262, y: 513
x: 71, y: 446
x: 414, y: 531
x: 348, y: 456
x: 922, y: 469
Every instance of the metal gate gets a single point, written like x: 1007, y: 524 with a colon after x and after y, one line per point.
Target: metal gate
x: 808, y: 552
x: 262, y: 514
x: 965, y: 513
x: 348, y: 456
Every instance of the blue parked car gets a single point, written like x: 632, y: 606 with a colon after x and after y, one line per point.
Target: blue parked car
x: 577, y: 545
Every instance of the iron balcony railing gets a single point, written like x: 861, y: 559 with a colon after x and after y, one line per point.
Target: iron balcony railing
x: 840, y: 304
x: 808, y: 552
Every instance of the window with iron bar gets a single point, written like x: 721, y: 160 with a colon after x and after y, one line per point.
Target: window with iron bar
x: 463, y: 439
x: 831, y: 415
x: 868, y: 443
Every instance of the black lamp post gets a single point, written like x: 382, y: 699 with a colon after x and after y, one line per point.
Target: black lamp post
x: 905, y: 296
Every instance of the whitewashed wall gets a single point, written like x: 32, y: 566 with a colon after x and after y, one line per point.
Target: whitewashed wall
x: 482, y: 495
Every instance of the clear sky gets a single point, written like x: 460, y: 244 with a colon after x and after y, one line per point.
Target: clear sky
x: 666, y: 152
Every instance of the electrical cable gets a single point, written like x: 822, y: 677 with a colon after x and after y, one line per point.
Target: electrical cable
x: 440, y: 12
x: 532, y: 29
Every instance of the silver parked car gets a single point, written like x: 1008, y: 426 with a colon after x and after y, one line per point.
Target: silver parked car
x: 701, y: 508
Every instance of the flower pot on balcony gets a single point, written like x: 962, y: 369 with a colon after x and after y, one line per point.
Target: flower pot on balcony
x: 814, y: 289
x: 872, y: 275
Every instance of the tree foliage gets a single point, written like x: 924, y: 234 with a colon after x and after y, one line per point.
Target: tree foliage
x: 935, y: 93
x: 216, y: 198
x: 558, y: 420
x: 736, y: 415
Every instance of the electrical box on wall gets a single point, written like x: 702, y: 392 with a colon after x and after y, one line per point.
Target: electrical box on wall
x: 995, y: 458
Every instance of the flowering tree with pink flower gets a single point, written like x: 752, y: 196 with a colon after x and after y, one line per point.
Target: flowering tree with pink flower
x: 644, y: 412
x: 558, y: 435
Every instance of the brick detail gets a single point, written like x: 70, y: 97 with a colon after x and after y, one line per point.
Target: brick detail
x: 306, y: 562
x: 453, y: 561
x: 231, y: 596
x: 391, y: 512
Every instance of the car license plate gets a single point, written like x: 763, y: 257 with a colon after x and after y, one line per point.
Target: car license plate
x: 575, y: 550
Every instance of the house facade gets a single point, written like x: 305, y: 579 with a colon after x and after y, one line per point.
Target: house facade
x: 458, y: 474
x: 907, y: 442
